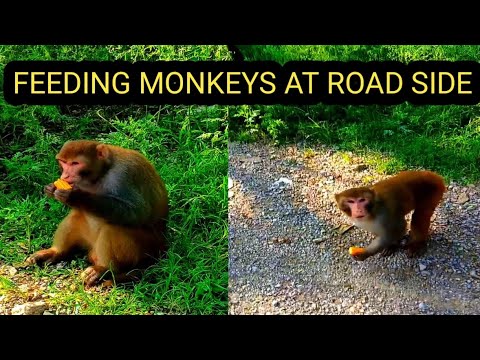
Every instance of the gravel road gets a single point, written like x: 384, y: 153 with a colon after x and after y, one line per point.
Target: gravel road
x: 288, y: 248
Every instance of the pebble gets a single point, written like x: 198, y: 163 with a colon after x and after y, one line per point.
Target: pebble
x: 11, y: 271
x: 463, y: 198
x: 30, y: 308
x: 422, y: 306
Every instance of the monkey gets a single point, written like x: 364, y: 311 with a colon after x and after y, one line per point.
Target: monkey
x: 119, y: 208
x: 381, y: 208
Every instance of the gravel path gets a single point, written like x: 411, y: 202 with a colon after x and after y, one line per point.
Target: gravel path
x: 288, y: 252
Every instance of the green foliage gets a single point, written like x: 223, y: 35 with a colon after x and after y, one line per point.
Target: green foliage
x: 186, y: 144
x: 113, y: 52
x: 442, y: 138
x: 404, y: 53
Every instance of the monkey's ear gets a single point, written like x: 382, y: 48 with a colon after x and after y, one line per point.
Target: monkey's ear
x: 102, y: 152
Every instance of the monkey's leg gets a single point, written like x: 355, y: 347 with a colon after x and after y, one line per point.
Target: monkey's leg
x: 114, y: 250
x: 68, y: 237
x: 377, y: 245
x: 385, y: 244
x: 419, y: 231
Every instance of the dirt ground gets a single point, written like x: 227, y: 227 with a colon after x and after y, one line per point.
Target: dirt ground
x: 288, y: 243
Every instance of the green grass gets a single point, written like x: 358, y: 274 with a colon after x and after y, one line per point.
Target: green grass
x: 441, y: 138
x: 187, y: 145
x: 404, y: 53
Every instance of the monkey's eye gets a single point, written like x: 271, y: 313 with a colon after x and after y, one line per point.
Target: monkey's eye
x: 361, y: 200
x: 350, y: 201
x: 74, y: 163
x: 85, y: 173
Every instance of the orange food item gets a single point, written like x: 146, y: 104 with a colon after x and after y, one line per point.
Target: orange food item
x: 62, y: 185
x: 356, y: 250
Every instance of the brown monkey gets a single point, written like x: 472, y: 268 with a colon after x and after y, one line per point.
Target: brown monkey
x: 119, y: 209
x: 381, y: 209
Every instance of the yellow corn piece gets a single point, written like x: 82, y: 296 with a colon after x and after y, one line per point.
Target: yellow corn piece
x: 62, y: 185
x: 354, y: 251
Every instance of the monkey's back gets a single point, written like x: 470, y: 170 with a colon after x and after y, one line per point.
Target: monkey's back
x: 412, y: 189
x: 145, y: 177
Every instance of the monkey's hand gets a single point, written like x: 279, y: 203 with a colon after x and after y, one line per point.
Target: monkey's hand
x: 358, y: 253
x: 382, y: 244
x: 62, y: 195
x: 49, y: 190
x: 93, y: 274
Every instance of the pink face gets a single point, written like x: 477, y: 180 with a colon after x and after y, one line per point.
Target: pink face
x: 358, y: 207
x: 71, y: 170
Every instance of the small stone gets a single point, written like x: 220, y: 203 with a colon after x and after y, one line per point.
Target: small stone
x: 462, y: 198
x: 23, y: 288
x: 230, y: 183
x: 318, y: 240
x: 275, y: 303
x: 422, y: 306
x: 283, y: 180
x: 46, y: 312
x: 230, y: 194
x: 422, y: 267
x: 31, y: 308
x: 10, y: 270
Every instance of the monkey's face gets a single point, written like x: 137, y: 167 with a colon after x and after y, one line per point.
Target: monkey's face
x: 358, y: 207
x: 82, y: 162
x: 73, y: 170
x: 356, y: 203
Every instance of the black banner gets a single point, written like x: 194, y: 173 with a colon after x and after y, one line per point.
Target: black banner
x: 229, y: 82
